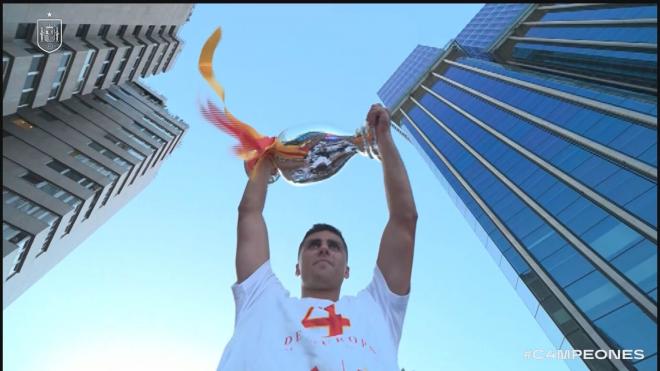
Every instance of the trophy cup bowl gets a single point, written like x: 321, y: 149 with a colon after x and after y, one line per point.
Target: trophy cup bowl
x: 325, y: 153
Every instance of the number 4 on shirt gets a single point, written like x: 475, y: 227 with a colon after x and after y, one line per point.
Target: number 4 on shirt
x: 334, y: 322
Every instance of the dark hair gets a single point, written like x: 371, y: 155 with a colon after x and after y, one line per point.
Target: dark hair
x: 323, y: 227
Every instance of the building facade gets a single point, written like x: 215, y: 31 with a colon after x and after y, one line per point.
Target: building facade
x: 102, y: 45
x: 81, y: 134
x: 541, y: 123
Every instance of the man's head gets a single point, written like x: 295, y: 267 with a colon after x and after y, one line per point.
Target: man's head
x: 322, y: 258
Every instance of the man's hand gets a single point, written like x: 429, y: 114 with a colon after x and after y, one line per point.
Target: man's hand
x: 264, y: 167
x: 398, y: 240
x: 378, y: 118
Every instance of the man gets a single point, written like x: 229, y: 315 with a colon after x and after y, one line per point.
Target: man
x: 320, y: 331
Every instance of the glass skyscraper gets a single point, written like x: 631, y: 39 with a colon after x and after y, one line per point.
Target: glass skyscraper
x: 541, y: 123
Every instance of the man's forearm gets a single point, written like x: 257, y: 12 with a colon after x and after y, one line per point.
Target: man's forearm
x: 397, y: 185
x: 252, y: 241
x: 254, y: 196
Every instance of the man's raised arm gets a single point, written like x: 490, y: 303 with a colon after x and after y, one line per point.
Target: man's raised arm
x: 252, y: 242
x: 395, y: 255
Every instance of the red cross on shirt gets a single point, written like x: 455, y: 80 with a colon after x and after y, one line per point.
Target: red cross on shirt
x: 334, y: 322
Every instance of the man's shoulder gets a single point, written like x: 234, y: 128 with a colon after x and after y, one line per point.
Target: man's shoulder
x: 362, y: 297
x: 263, y: 279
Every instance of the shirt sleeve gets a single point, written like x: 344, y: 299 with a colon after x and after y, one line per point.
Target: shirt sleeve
x: 256, y: 287
x: 393, y: 305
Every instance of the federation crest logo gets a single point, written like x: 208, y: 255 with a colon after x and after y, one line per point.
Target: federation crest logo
x: 49, y: 37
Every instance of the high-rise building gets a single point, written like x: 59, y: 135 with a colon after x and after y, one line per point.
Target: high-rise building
x: 541, y: 123
x: 102, y: 45
x: 81, y: 134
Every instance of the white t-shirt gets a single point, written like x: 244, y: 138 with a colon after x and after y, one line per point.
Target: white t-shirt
x: 274, y: 331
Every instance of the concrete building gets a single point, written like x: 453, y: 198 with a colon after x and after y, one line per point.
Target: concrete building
x: 103, y: 45
x: 541, y: 123
x: 81, y: 134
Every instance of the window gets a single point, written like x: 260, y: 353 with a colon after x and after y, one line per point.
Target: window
x: 160, y: 59
x: 516, y: 261
x: 150, y: 59
x: 158, y: 128
x: 93, y: 164
x: 581, y: 215
x: 104, y: 69
x: 121, y: 144
x: 97, y: 195
x: 137, y: 60
x: 111, y: 96
x: 122, y: 64
x: 566, y: 265
x: 138, y: 140
x: 26, y: 98
x: 137, y: 30
x: 610, y: 237
x: 37, y: 60
x: 122, y: 30
x: 84, y: 72
x: 630, y: 328
x: 149, y: 33
x: 103, y: 30
x: 73, y: 175
x: 639, y: 264
x: 24, y: 30
x: 32, y: 79
x: 19, y: 238
x: 14, y: 234
x: 82, y: 30
x: 61, y: 72
x: 165, y: 119
x: 80, y: 179
x: 51, y: 189
x: 66, y: 56
x: 169, y: 57
x: 109, y: 154
x: 99, y: 168
x: 560, y: 316
x: 595, y: 295
x: 644, y: 205
x: 57, y: 192
x: 130, y: 150
x: 149, y: 132
x: 30, y: 208
x: 5, y: 66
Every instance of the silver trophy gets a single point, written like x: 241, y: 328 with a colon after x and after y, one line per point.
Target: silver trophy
x: 320, y: 154
x: 301, y: 157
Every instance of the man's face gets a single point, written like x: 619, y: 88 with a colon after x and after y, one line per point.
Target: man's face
x: 322, y: 261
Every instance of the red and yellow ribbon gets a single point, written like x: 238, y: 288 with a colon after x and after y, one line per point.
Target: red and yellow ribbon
x: 252, y: 145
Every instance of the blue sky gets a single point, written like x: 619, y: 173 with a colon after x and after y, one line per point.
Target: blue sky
x: 150, y: 290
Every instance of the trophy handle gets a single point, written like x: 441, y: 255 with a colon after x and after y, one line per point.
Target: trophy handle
x: 365, y: 140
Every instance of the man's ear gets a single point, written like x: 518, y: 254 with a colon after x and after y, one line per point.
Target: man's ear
x: 347, y: 272
x: 297, y: 269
